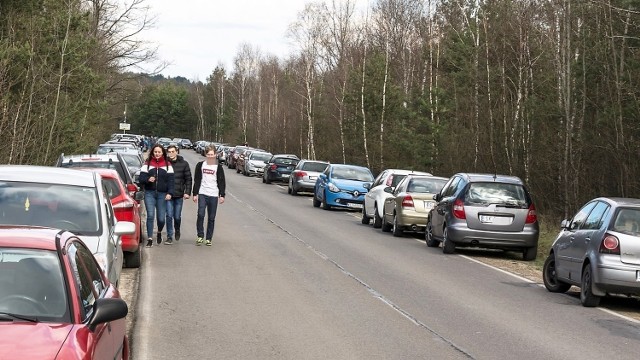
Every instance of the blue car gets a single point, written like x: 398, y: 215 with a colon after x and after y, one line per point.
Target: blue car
x: 341, y: 186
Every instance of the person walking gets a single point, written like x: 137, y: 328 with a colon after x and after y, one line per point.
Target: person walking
x: 156, y: 176
x: 208, y: 191
x: 181, y: 191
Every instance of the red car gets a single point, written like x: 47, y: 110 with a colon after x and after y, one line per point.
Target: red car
x: 55, y: 301
x: 125, y: 208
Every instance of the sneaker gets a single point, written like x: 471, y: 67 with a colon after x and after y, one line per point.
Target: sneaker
x: 208, y: 242
x: 177, y: 235
x: 169, y: 241
x: 159, y: 241
x: 199, y: 241
x: 149, y: 243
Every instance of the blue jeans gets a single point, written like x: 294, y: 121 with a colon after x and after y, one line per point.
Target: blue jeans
x: 156, y: 205
x: 210, y: 203
x: 174, y: 215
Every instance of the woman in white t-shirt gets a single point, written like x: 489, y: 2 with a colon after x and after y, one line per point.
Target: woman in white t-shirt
x: 208, y: 191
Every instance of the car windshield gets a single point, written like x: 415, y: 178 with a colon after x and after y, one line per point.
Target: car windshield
x: 112, y: 186
x: 260, y: 156
x: 98, y: 164
x: 628, y: 221
x: 352, y: 173
x: 105, y: 149
x: 73, y: 208
x: 426, y: 185
x: 314, y: 166
x: 501, y: 194
x: 132, y: 160
x: 32, y: 286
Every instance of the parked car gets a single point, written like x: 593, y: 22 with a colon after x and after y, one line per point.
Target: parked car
x: 342, y: 186
x: 238, y: 150
x: 487, y: 211
x: 374, y: 199
x: 65, y: 199
x: 410, y: 202
x: 115, y: 147
x: 279, y: 168
x: 240, y: 161
x: 222, y: 153
x: 106, y: 161
x: 304, y: 176
x: 255, y: 162
x: 597, y: 250
x: 55, y: 300
x: 185, y: 144
x: 125, y: 208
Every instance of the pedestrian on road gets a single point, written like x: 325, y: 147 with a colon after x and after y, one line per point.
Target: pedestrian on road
x: 208, y: 191
x: 181, y: 191
x: 156, y: 176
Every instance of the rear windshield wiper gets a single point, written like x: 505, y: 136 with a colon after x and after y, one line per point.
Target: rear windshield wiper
x: 9, y: 317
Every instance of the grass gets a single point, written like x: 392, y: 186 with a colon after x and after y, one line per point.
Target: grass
x: 548, y: 231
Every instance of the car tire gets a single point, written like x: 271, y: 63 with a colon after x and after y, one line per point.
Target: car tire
x: 267, y: 180
x: 549, y: 276
x: 386, y: 227
x: 428, y: 235
x: 316, y: 202
x: 294, y: 192
x: 377, y: 220
x: 325, y: 206
x: 133, y: 259
x: 263, y: 180
x: 530, y: 253
x: 448, y: 247
x: 288, y: 190
x: 365, y: 219
x: 587, y: 298
x: 397, y: 229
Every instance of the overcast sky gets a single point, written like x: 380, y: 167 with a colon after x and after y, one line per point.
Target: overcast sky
x: 196, y: 35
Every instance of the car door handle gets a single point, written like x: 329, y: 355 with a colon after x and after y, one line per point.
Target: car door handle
x: 587, y: 240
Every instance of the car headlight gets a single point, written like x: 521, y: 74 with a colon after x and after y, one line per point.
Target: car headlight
x: 333, y: 188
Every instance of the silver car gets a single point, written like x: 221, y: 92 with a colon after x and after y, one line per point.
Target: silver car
x: 303, y: 177
x: 484, y: 210
x: 597, y: 250
x: 255, y: 162
x: 65, y: 199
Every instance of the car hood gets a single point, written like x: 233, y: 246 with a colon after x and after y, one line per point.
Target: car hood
x: 25, y: 340
x: 350, y: 185
x: 257, y: 163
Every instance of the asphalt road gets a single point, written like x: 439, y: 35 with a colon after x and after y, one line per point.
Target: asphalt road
x: 284, y: 280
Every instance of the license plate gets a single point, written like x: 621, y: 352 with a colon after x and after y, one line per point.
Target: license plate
x: 486, y: 219
x: 312, y: 177
x: 428, y: 205
x: 354, y: 205
x: 286, y: 176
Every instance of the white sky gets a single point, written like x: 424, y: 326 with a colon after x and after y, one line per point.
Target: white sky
x: 196, y: 35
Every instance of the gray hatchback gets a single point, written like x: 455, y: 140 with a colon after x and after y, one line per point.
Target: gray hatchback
x: 484, y: 210
x: 597, y: 250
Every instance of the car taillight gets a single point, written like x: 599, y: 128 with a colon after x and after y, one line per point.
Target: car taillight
x: 458, y: 209
x: 299, y: 173
x: 532, y: 215
x: 407, y: 201
x: 610, y: 245
x: 273, y: 166
x: 124, y: 205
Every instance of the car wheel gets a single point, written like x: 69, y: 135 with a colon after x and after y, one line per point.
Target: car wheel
x: 587, y: 298
x: 385, y: 227
x: 263, y: 181
x: 428, y: 235
x: 268, y: 181
x: 324, y: 203
x: 288, y: 189
x: 377, y: 220
x: 316, y: 202
x: 530, y: 254
x: 294, y: 192
x: 365, y: 218
x: 550, y: 276
x: 397, y: 229
x: 448, y: 247
x: 133, y: 259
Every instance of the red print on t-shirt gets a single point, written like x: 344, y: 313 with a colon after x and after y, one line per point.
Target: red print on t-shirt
x: 208, y: 171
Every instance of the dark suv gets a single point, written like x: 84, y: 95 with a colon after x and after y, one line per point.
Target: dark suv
x: 279, y: 168
x: 484, y: 210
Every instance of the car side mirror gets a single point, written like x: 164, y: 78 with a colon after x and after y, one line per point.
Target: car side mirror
x: 106, y: 310
x: 437, y: 197
x: 367, y: 186
x: 388, y: 189
x: 139, y: 196
x: 564, y: 224
x: 322, y: 176
x: 124, y: 228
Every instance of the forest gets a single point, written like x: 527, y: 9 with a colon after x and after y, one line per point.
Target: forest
x: 542, y: 89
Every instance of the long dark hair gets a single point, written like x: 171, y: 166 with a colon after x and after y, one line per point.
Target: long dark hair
x: 164, y: 153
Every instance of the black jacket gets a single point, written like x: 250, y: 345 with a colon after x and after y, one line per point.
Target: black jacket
x: 197, y: 179
x: 162, y: 171
x: 182, y: 176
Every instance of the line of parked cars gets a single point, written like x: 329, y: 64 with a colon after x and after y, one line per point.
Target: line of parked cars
x: 65, y: 234
x: 597, y: 250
